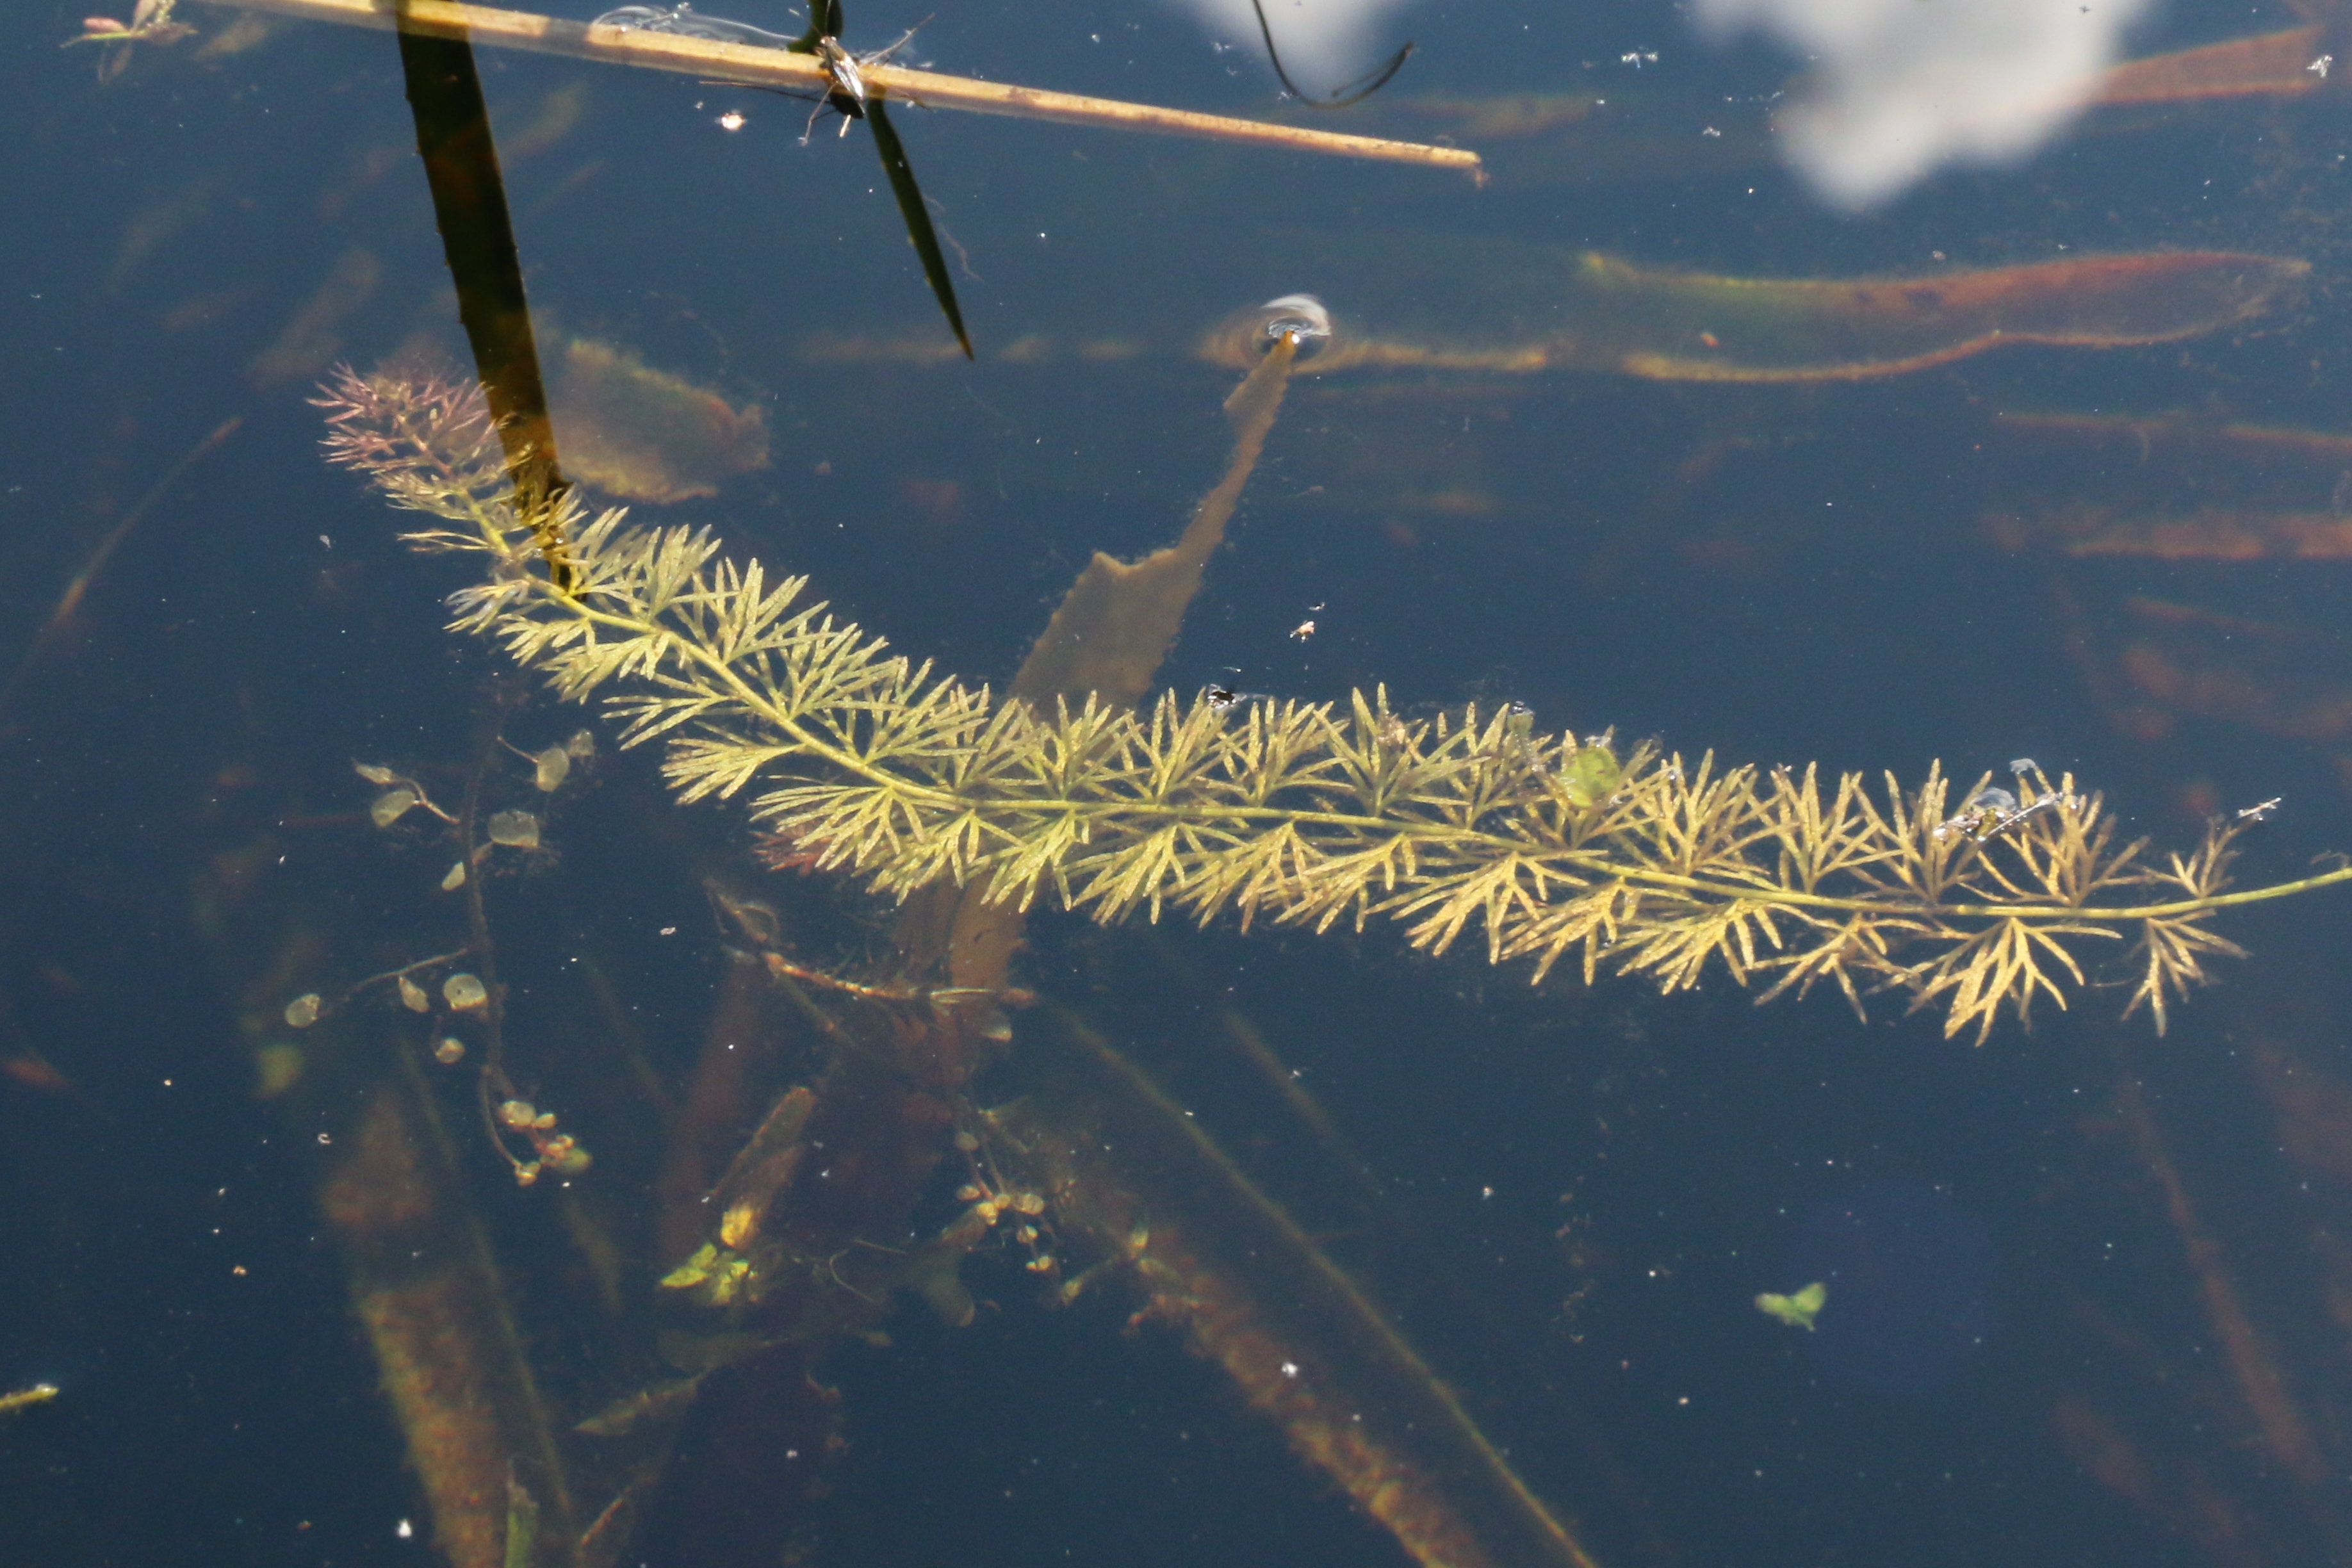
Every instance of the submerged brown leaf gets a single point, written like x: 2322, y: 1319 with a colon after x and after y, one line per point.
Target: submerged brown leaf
x: 642, y: 434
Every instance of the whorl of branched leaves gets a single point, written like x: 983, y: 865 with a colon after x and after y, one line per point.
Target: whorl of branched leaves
x: 1552, y: 848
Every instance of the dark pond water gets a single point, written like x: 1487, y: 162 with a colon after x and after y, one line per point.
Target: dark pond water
x: 2088, y: 1290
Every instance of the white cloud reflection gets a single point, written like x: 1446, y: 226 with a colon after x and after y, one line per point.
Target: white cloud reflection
x: 1902, y: 88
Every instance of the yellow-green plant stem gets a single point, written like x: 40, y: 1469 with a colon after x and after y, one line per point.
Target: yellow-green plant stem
x: 1596, y: 864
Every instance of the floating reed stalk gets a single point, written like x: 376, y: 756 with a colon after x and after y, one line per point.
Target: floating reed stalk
x: 781, y: 68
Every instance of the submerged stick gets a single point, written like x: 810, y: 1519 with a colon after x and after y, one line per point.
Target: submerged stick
x: 1305, y: 1345
x: 702, y: 57
x: 77, y: 587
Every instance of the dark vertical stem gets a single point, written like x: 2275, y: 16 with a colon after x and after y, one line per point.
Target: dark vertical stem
x: 824, y: 22
x: 492, y: 1081
x: 469, y: 205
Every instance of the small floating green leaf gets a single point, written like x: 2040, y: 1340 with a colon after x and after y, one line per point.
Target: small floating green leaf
x: 693, y: 1271
x: 549, y: 768
x: 1797, y: 1310
x: 522, y: 1526
x: 391, y: 805
x: 1590, y: 775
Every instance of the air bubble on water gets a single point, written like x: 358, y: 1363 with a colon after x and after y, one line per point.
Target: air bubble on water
x: 1302, y: 316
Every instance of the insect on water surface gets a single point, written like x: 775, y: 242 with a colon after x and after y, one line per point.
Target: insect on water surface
x: 846, y: 95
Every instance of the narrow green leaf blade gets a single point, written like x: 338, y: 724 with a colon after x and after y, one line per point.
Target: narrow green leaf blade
x: 918, y: 217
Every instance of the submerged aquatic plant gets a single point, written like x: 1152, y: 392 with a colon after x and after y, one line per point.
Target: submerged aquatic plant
x: 863, y: 762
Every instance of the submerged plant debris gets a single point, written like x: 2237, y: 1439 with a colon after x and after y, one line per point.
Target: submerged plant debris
x: 1665, y: 325
x: 646, y: 434
x: 1618, y: 317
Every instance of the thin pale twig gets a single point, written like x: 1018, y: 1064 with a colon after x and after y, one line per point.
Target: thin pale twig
x: 702, y: 57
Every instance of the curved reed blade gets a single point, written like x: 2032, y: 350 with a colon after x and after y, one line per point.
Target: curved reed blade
x: 912, y: 208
